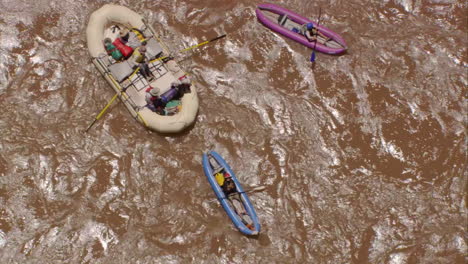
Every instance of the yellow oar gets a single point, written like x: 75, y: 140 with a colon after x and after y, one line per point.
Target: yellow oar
x: 161, y: 58
x: 194, y: 46
x: 203, y: 43
x: 102, y: 112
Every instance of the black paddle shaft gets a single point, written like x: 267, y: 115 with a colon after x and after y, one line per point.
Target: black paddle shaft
x: 318, y: 23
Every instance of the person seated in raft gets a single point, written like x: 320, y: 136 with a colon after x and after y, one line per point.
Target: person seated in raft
x: 172, y: 97
x: 182, y: 87
x: 139, y: 59
x: 311, y: 32
x: 153, y: 100
x: 129, y: 38
x: 185, y: 85
x: 112, y: 50
x: 233, y: 196
x: 167, y: 103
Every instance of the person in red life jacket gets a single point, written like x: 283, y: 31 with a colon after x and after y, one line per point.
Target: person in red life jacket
x: 153, y: 100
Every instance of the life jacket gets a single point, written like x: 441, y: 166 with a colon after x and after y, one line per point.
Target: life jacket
x: 124, y: 49
x: 137, y: 56
x: 303, y: 29
x: 219, y: 178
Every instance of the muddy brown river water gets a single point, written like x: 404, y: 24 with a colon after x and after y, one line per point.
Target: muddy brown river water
x: 363, y: 155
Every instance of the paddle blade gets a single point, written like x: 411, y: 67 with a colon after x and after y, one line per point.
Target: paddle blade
x: 257, y: 189
x: 219, y: 37
x: 312, y: 57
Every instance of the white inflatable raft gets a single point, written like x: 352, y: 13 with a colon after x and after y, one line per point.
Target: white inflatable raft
x: 128, y: 83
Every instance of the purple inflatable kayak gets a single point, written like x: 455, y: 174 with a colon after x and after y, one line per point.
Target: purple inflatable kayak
x: 282, y: 20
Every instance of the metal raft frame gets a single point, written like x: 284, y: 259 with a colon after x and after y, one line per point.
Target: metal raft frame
x: 135, y: 80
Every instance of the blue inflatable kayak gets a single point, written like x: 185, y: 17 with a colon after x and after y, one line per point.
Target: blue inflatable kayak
x: 237, y: 205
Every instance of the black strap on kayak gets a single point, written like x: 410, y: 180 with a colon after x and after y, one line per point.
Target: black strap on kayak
x: 282, y: 19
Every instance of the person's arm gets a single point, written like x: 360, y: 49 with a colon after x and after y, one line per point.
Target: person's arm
x: 310, y: 36
x: 323, y: 36
x: 160, y: 110
x: 148, y: 98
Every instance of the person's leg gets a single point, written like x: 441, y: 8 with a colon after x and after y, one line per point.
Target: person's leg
x: 238, y: 207
x: 143, y: 70
x: 240, y: 210
x: 147, y: 69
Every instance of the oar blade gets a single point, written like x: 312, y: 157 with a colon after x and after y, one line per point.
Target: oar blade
x: 219, y: 37
x: 312, y: 57
x: 257, y: 189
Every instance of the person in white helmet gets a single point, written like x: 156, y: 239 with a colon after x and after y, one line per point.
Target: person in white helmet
x: 153, y: 100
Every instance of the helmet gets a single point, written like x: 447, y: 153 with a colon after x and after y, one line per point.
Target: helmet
x: 310, y: 26
x: 154, y: 91
x: 142, y: 49
x: 227, y: 175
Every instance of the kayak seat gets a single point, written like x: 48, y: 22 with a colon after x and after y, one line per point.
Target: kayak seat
x: 121, y: 70
x: 219, y: 169
x: 214, y: 165
x: 282, y: 19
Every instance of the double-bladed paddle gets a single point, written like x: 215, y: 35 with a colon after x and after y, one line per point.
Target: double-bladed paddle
x: 312, y: 57
x: 254, y: 189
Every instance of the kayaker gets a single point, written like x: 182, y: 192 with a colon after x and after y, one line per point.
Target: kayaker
x: 310, y: 32
x: 228, y: 186
x: 139, y: 59
x: 153, y: 100
x: 112, y: 50
x: 230, y: 190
